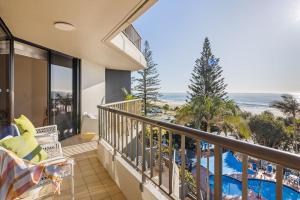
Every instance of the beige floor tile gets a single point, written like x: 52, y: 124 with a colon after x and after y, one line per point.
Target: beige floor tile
x: 62, y: 197
x: 82, y: 188
x: 100, y: 196
x: 118, y: 196
x: 113, y: 190
x: 79, y: 184
x: 92, y: 182
x: 91, y: 179
x: 96, y: 187
x: 108, y: 182
x: 83, y: 195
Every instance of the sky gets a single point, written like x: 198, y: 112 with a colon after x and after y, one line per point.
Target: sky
x: 258, y: 42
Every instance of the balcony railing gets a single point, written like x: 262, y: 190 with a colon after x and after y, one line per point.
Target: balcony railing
x: 149, y: 146
x: 132, y: 106
x: 133, y: 36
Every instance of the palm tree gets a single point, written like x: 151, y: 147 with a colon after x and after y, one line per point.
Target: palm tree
x: 208, y: 112
x: 184, y: 115
x: 291, y: 108
x: 288, y: 105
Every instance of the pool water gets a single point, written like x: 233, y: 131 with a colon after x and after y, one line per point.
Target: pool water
x: 233, y: 187
x: 267, y: 189
x: 230, y: 186
x: 231, y: 165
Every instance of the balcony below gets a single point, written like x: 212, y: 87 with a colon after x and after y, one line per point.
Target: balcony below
x: 129, y: 42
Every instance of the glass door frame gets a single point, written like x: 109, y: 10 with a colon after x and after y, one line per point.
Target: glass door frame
x: 10, y: 68
x: 76, y: 89
x: 76, y: 78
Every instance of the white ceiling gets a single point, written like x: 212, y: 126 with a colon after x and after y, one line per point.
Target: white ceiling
x: 96, y: 23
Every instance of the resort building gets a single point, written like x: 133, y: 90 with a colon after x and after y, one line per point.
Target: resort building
x: 65, y: 63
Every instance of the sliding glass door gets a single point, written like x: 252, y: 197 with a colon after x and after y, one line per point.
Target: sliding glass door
x: 63, y: 96
x: 5, y: 75
x: 37, y: 82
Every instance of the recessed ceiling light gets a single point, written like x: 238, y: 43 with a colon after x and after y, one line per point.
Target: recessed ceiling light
x: 64, y: 26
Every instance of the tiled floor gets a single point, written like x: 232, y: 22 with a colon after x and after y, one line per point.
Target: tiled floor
x: 91, y: 179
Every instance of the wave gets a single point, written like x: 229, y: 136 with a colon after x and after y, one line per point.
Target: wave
x: 251, y: 102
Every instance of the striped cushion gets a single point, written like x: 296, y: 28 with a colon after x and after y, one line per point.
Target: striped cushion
x: 26, y: 147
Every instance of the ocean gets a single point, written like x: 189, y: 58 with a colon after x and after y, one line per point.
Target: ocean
x: 255, y: 103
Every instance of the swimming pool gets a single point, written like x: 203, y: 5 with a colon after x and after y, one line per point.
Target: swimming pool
x: 267, y: 189
x: 231, y: 165
x: 230, y: 186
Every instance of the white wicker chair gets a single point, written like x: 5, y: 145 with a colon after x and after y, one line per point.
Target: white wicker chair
x: 55, y: 154
x: 47, y: 131
x: 45, y: 134
x: 48, y: 139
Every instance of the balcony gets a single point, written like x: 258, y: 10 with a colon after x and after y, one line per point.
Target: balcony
x: 129, y: 42
x: 146, y: 158
x: 133, y: 36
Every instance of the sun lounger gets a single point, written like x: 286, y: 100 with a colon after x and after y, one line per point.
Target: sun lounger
x: 269, y: 170
x: 254, y: 167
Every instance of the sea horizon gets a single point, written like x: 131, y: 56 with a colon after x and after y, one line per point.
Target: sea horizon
x: 255, y: 103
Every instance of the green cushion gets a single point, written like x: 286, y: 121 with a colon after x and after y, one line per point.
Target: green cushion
x: 25, y: 125
x: 26, y: 147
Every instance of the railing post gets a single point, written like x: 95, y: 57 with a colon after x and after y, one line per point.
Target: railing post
x: 218, y: 173
x: 143, y: 151
x: 115, y: 134
x: 245, y: 177
x: 109, y: 126
x: 119, y: 131
x: 207, y: 172
x: 170, y: 162
x: 182, y: 168
x: 198, y: 169
x: 103, y: 124
x: 151, y: 151
x: 111, y: 129
x: 106, y: 126
x: 99, y: 123
x: 126, y: 136
x: 279, y: 176
x: 137, y: 144
x: 159, y: 158
x: 122, y: 134
x: 131, y: 138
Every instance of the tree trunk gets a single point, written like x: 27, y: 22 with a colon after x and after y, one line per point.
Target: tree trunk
x: 145, y: 106
x: 208, y: 129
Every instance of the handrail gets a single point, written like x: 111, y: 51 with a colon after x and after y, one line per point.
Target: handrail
x: 120, y: 102
x: 265, y: 153
x: 122, y: 122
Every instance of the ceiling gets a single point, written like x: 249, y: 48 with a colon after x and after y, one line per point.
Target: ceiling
x: 96, y: 23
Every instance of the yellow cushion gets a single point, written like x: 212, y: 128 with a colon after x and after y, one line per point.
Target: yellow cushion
x: 25, y: 146
x: 25, y: 125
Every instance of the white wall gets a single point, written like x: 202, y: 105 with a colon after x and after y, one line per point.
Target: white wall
x: 126, y: 177
x: 93, y: 87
